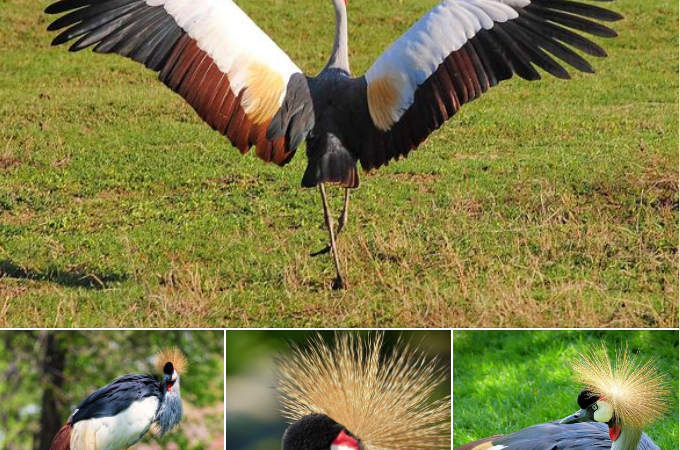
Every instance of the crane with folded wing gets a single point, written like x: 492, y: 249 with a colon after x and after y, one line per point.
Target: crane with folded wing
x: 246, y: 88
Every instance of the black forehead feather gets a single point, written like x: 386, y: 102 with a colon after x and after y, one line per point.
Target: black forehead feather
x: 312, y: 432
x: 168, y: 369
x: 586, y: 398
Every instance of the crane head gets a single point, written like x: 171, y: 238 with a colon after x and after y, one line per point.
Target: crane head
x: 625, y: 393
x: 172, y: 362
x: 373, y: 392
x: 319, y: 432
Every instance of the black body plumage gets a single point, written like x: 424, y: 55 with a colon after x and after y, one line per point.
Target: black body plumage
x: 118, y: 395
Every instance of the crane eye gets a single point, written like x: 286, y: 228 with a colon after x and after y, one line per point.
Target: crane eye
x: 594, y: 407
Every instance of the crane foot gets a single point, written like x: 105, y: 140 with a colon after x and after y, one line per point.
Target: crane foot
x: 338, y: 284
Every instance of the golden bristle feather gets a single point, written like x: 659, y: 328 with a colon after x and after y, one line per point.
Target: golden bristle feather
x: 380, y: 398
x: 637, y: 391
x: 173, y: 355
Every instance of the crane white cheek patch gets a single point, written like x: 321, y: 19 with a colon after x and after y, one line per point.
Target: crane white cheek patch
x: 341, y: 447
x: 604, y: 412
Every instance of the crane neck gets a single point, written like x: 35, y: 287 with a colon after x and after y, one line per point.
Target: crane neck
x: 339, y: 58
x: 628, y: 439
x: 170, y: 409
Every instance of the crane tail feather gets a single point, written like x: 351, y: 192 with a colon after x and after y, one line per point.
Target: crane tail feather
x: 62, y: 440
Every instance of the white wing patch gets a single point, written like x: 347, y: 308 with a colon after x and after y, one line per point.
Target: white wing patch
x: 240, y: 49
x: 116, y: 432
x: 411, y: 59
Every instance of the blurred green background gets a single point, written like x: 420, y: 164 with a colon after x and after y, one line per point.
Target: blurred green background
x: 253, y: 418
x: 44, y: 375
x: 504, y: 381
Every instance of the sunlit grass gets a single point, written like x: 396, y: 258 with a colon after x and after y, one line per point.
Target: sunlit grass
x: 546, y: 204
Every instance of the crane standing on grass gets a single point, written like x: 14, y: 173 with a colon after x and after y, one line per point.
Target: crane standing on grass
x: 245, y: 87
x: 618, y: 401
x: 121, y: 413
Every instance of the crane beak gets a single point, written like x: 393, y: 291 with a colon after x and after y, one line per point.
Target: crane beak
x: 582, y: 415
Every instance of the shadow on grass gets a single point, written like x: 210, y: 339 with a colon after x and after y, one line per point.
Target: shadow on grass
x: 77, y: 277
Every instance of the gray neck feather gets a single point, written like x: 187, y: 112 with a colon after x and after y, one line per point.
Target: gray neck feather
x: 628, y: 439
x: 339, y: 58
x: 170, y: 410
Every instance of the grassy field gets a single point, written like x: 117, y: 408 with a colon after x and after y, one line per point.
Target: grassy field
x: 541, y: 204
x: 508, y: 380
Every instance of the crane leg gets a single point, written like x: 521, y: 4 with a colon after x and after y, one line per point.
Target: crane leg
x: 342, y: 221
x: 338, y: 283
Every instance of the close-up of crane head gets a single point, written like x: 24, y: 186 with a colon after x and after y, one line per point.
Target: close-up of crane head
x: 119, y: 414
x: 618, y: 400
x: 355, y: 394
x: 627, y: 395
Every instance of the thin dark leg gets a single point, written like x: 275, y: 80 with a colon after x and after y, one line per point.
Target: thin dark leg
x: 342, y: 221
x: 338, y: 282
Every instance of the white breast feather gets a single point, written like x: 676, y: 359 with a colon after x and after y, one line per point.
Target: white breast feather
x: 414, y: 57
x: 116, y: 432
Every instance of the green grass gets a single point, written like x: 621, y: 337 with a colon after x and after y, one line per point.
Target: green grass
x: 541, y: 204
x: 508, y: 380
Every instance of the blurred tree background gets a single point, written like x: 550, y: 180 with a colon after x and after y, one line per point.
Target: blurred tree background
x: 504, y: 381
x: 253, y: 418
x: 44, y: 375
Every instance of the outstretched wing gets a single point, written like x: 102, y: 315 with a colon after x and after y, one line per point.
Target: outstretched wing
x: 458, y: 50
x: 212, y: 54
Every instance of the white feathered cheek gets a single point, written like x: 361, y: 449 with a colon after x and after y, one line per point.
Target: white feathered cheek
x: 604, y: 412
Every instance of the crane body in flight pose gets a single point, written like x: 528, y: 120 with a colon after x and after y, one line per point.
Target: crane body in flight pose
x: 245, y: 87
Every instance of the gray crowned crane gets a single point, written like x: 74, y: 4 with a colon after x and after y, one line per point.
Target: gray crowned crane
x: 353, y: 395
x: 617, y: 402
x: 121, y: 413
x: 245, y: 87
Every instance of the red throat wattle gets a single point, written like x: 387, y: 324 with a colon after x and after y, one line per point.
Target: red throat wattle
x: 346, y: 441
x: 169, y: 386
x: 614, y: 433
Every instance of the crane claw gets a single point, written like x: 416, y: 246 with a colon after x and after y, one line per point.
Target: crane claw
x: 338, y: 284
